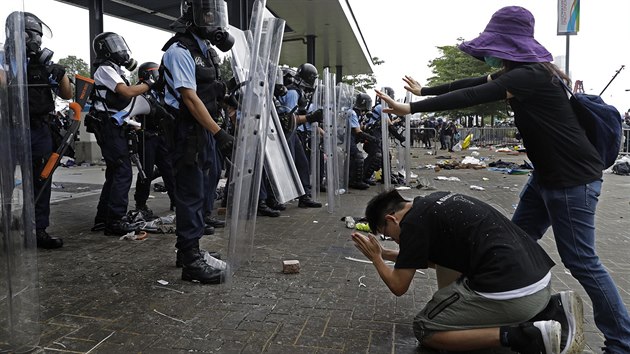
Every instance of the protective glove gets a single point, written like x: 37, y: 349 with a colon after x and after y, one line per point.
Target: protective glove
x: 56, y: 72
x: 225, y: 143
x: 316, y: 116
x: 149, y: 82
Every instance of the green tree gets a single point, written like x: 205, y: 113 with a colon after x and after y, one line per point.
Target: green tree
x: 75, y: 66
x: 225, y: 69
x: 453, y: 65
x: 363, y: 82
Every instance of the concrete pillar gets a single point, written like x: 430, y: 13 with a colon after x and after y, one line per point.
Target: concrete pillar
x: 310, y: 49
x: 95, y: 8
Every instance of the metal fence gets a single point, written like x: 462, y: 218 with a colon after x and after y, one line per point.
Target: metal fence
x: 481, y: 137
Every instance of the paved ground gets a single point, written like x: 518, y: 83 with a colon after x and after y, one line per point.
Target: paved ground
x: 101, y: 295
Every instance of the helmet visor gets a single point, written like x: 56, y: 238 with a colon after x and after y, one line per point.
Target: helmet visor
x: 210, y: 13
x: 32, y: 23
x: 115, y: 44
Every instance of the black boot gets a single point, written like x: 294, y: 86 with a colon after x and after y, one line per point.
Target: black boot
x: 214, y: 222
x: 356, y: 178
x: 265, y: 210
x: 307, y: 202
x: 44, y: 240
x: 147, y: 214
x: 195, y: 268
x: 274, y: 204
x: 179, y: 261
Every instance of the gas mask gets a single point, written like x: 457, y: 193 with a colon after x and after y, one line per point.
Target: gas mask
x: 33, y: 50
x: 218, y: 37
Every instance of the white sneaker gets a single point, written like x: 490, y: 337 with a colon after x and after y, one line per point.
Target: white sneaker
x: 550, y: 333
x: 574, y: 315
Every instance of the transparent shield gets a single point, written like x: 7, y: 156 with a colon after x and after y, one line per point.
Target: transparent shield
x: 19, y: 302
x: 279, y: 165
x: 407, y: 158
x: 386, y: 174
x: 315, y: 139
x: 328, y: 127
x: 247, y: 164
x: 342, y: 133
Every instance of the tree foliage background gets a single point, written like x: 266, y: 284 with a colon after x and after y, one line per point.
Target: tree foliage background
x: 363, y: 82
x: 75, y: 66
x: 453, y: 65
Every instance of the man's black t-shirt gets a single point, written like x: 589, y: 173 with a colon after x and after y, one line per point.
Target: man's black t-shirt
x: 465, y: 234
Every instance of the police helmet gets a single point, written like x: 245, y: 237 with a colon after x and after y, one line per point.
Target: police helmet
x: 111, y: 46
x: 306, y: 75
x: 363, y: 102
x: 148, y: 71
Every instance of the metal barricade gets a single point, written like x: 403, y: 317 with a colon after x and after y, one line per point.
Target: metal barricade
x: 424, y: 138
x: 488, y: 136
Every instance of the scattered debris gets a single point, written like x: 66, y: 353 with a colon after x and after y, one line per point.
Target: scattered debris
x: 361, y: 284
x: 163, y: 282
x: 452, y: 179
x: 167, y: 316
x: 132, y: 236
x: 477, y: 188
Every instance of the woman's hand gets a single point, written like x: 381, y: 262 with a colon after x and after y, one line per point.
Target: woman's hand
x: 394, y: 107
x: 413, y: 86
x: 368, y: 245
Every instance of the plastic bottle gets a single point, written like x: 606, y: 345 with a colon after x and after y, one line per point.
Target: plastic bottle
x: 349, y: 222
x: 214, y: 263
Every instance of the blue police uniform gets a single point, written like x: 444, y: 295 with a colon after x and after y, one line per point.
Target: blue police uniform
x: 190, y: 63
x: 112, y: 205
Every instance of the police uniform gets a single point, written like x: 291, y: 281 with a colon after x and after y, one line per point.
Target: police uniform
x: 190, y: 63
x: 112, y: 204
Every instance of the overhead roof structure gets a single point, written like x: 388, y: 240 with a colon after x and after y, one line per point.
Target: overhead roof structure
x: 327, y: 28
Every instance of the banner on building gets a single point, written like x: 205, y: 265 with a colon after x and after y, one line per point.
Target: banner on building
x: 568, y: 17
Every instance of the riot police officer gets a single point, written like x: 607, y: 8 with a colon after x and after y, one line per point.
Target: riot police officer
x: 112, y: 94
x: 152, y: 144
x: 193, y: 90
x: 362, y: 105
x: 44, y: 78
x: 297, y: 99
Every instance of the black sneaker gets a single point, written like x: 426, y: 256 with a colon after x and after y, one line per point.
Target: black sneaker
x: 180, y: 256
x: 307, y: 202
x: 543, y: 337
x: 566, y: 308
x: 44, y: 240
x: 265, y: 210
x: 195, y: 269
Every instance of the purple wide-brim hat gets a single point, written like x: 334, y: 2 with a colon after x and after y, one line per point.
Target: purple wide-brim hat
x: 509, y: 35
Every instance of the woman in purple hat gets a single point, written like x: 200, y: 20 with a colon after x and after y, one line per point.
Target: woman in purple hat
x: 563, y: 190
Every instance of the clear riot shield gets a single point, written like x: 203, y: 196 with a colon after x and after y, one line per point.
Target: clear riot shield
x: 315, y: 139
x: 403, y: 151
x: 19, y: 301
x: 247, y: 163
x: 328, y: 106
x: 344, y: 98
x: 386, y: 174
x: 408, y: 143
x: 279, y: 164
